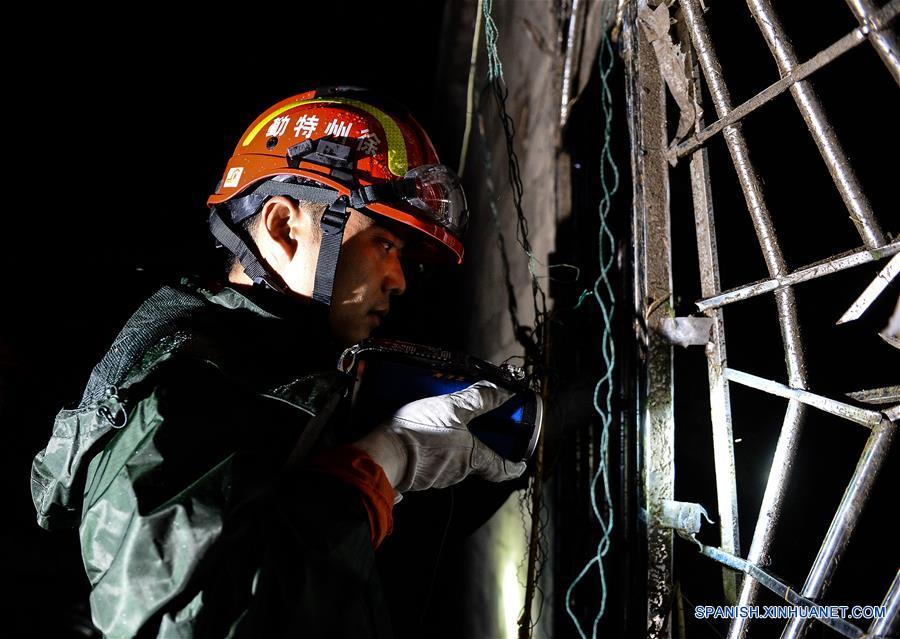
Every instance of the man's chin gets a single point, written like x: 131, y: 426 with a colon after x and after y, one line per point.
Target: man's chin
x: 353, y: 335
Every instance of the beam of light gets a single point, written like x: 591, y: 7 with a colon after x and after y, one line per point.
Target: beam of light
x: 513, y: 596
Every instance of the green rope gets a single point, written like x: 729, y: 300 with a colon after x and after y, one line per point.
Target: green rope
x: 602, y: 292
x: 491, y: 35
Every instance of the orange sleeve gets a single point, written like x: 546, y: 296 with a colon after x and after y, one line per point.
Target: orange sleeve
x: 353, y: 466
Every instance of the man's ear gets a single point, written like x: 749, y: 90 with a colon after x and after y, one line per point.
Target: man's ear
x: 277, y: 236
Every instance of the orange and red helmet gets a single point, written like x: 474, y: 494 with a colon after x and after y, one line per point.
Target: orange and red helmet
x: 371, y: 154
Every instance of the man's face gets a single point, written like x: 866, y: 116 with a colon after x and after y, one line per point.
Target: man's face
x: 368, y: 274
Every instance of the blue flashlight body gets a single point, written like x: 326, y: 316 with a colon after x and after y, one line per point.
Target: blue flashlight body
x: 390, y: 374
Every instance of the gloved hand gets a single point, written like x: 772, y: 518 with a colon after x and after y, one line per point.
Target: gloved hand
x: 426, y: 443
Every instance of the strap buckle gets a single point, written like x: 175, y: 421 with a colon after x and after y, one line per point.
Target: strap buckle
x: 383, y: 192
x: 335, y: 217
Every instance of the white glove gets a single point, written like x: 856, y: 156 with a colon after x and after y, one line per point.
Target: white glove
x: 426, y: 443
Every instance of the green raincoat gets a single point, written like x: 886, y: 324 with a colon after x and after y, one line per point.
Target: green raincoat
x: 174, y: 467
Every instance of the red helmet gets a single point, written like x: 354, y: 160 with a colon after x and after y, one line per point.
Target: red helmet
x: 373, y: 154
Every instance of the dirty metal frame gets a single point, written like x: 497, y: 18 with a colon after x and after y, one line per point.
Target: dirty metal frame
x: 804, y: 274
x: 710, y: 284
x: 889, y: 625
x: 886, y: 43
x: 652, y: 302
x: 874, y: 24
x: 653, y: 292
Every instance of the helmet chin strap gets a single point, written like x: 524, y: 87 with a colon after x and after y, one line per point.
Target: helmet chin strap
x: 333, y: 223
x: 222, y: 230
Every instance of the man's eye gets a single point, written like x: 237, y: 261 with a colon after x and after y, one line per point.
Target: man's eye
x: 386, y: 244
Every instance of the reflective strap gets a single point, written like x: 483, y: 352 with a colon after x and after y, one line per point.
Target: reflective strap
x: 233, y: 242
x: 333, y: 222
x: 397, y: 158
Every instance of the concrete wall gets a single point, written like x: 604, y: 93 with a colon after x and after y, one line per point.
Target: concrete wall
x: 532, y: 41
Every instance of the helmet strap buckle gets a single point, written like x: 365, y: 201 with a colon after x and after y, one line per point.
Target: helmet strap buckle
x: 383, y: 192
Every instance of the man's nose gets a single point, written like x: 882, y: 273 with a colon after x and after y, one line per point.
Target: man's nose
x: 394, y: 279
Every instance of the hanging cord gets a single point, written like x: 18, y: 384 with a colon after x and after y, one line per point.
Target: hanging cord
x: 537, y: 553
x: 521, y: 331
x: 530, y: 339
x: 470, y: 92
x: 539, y: 561
x: 536, y: 557
x: 603, y: 293
x: 511, y: 304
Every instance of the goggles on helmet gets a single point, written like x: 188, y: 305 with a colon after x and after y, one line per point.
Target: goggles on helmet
x: 430, y: 191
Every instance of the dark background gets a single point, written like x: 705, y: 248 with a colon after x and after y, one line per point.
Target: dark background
x: 120, y: 127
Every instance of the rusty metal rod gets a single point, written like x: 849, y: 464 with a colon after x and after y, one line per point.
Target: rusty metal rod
x: 827, y: 55
x: 868, y: 418
x: 785, y: 450
x: 845, y: 519
x: 770, y: 509
x: 572, y: 41
x: 889, y: 625
x: 780, y: 588
x: 873, y: 290
x: 719, y: 398
x: 800, y: 72
x: 884, y: 395
x: 737, y: 146
x: 818, y: 124
x: 810, y: 272
x: 886, y: 43
x: 652, y: 280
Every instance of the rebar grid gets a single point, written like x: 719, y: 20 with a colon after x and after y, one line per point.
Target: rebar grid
x: 845, y: 518
x: 780, y: 283
x: 886, y: 43
x: 882, y: 18
x: 819, y: 127
x: 781, y: 589
x: 863, y: 417
x: 813, y: 271
x: 889, y: 625
x: 785, y: 450
x: 716, y: 357
x: 856, y: 494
